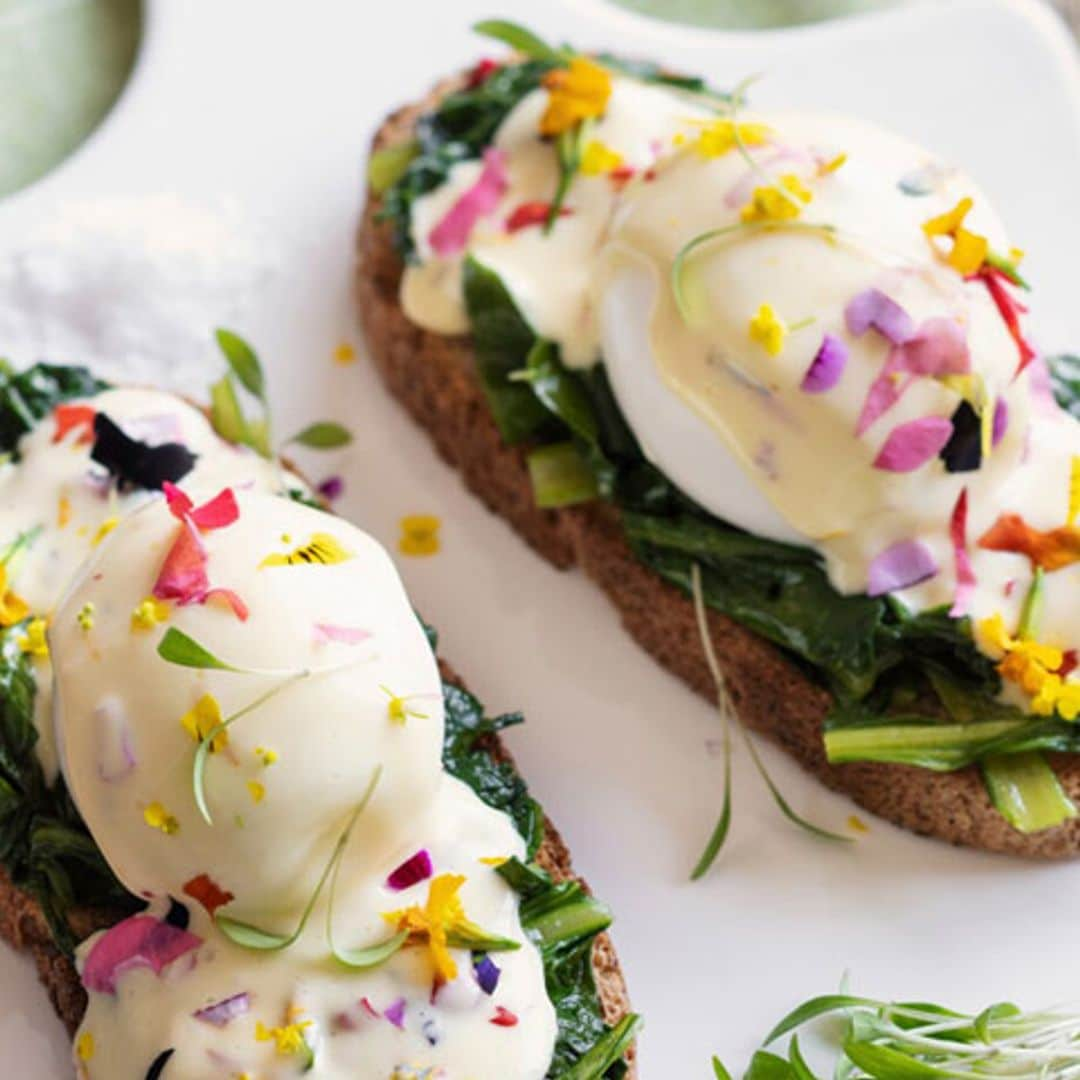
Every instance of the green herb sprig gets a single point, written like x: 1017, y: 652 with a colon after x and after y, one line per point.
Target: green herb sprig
x: 227, y: 413
x: 923, y: 1041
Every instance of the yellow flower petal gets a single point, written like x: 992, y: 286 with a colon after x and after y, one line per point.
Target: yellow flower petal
x: 149, y: 613
x: 598, y: 158
x: 157, y: 817
x: 778, y: 202
x: 344, y: 354
x: 419, y: 535
x: 257, y: 791
x: 84, y: 1048
x: 33, y: 641
x: 104, y: 529
x: 63, y: 512
x: 321, y: 550
x: 575, y: 93
x: 768, y: 330
x: 946, y: 224
x: 968, y: 253
x: 201, y: 719
x: 720, y: 137
x: 1074, y: 491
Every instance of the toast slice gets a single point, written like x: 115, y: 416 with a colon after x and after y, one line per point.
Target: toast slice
x: 434, y: 379
x: 23, y: 925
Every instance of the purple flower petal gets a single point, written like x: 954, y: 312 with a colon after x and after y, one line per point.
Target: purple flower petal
x: 873, y: 309
x: 487, y: 974
x: 396, y: 1013
x: 221, y: 1013
x: 913, y: 444
x: 451, y: 234
x: 333, y: 487
x: 414, y: 869
x: 827, y: 366
x: 939, y: 347
x: 1001, y: 421
x: 901, y: 566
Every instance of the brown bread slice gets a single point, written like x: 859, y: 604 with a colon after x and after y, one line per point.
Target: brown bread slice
x: 434, y: 378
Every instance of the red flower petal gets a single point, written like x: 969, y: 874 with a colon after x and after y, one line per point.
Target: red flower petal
x: 532, y: 213
x: 504, y: 1017
x: 1010, y: 310
x: 68, y: 417
x: 965, y: 572
x: 481, y: 72
x: 239, y: 608
x: 208, y: 893
x: 218, y: 513
x: 179, y: 503
x: 183, y: 573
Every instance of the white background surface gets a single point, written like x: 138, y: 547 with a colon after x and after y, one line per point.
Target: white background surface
x: 272, y: 103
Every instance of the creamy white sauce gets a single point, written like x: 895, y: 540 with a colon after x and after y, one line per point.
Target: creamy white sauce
x: 729, y: 423
x: 331, y: 733
x: 55, y: 487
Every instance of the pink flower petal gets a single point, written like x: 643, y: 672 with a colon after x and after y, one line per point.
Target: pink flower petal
x: 116, y: 755
x: 183, y: 573
x: 179, y: 503
x: 413, y: 870
x: 827, y: 366
x: 140, y: 941
x: 885, y: 391
x: 913, y: 444
x: 239, y: 608
x: 939, y: 347
x: 901, y: 566
x: 346, y: 635
x: 396, y: 1013
x: 220, y: 512
x: 452, y: 233
x: 872, y: 309
x: 965, y: 572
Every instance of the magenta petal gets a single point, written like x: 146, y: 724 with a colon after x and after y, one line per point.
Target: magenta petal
x: 451, y: 234
x: 873, y: 308
x: 901, y: 566
x: 885, y: 391
x: 221, y: 1013
x: 913, y: 444
x: 396, y: 1013
x: 413, y: 870
x: 939, y: 347
x: 827, y: 366
x: 346, y: 635
x: 1001, y: 421
x: 140, y: 941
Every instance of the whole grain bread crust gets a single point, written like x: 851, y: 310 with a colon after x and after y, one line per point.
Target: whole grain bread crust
x: 434, y: 378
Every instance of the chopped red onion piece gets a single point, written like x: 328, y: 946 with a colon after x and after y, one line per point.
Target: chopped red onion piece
x: 901, y: 566
x: 827, y: 366
x: 221, y: 1013
x: 873, y: 309
x: 413, y: 870
x: 451, y: 234
x: 913, y: 444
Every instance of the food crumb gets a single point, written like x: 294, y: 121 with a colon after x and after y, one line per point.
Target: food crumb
x: 856, y: 824
x: 344, y: 354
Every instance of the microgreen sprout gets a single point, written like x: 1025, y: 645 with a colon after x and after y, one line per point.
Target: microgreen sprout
x: 729, y: 718
x: 923, y: 1041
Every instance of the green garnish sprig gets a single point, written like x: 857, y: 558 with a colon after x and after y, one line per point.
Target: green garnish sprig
x: 180, y: 649
x: 923, y: 1041
x: 729, y: 718
x: 227, y: 413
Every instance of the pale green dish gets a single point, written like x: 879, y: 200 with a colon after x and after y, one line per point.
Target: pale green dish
x: 751, y: 14
x: 63, y: 64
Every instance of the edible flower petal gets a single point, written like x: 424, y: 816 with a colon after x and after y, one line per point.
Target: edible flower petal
x: 1000, y: 424
x: 504, y: 1017
x: 139, y: 941
x: 149, y: 613
x: 452, y: 232
x: 965, y: 572
x: 157, y: 817
x: 222, y: 1013
x: 220, y: 512
x: 72, y: 418
x: 207, y: 892
x: 287, y: 1039
x: 419, y: 535
x: 913, y: 444
x: 487, y: 974
x: 768, y: 330
x: 577, y: 92
x: 395, y: 1013
x: 781, y: 201
x: 34, y: 642
x: 200, y: 720
x: 332, y: 488
x: 528, y: 214
x: 84, y: 1047
x: 322, y: 549
x: 1074, y: 491
x: 827, y: 366
x: 183, y: 573
x: 939, y: 347
x: 946, y: 224
x: 1055, y: 695
x: 13, y: 608
x: 901, y: 566
x: 1010, y: 310
x: 1052, y: 549
x: 872, y: 309
x: 413, y: 870
x: 598, y: 158
x: 968, y: 253
x: 137, y: 464
x: 721, y: 136
x: 431, y: 924
x: 345, y: 635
